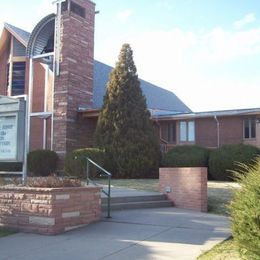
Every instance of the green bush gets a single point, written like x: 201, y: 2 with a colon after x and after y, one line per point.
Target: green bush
x: 224, y: 160
x: 245, y: 212
x: 186, y: 156
x: 42, y: 162
x: 76, y: 163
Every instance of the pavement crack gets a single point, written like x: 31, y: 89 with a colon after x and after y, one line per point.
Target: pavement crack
x: 136, y: 243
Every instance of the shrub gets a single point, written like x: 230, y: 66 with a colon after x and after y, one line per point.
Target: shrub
x: 124, y: 128
x: 224, y: 160
x: 76, y: 163
x: 245, y: 212
x: 42, y: 162
x: 186, y: 156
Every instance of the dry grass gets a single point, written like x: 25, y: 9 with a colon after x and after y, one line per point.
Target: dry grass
x: 226, y: 250
x: 219, y: 196
x: 5, y: 232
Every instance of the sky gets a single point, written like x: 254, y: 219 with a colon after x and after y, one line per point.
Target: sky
x: 206, y: 52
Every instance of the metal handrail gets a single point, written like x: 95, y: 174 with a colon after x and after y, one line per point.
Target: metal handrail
x: 108, y: 174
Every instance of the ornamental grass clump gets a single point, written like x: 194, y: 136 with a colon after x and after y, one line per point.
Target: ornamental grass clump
x: 245, y: 212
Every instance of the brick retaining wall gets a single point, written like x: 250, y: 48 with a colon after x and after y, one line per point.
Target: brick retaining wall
x: 185, y: 187
x: 49, y: 211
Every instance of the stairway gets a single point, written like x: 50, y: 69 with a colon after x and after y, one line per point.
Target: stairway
x: 137, y: 202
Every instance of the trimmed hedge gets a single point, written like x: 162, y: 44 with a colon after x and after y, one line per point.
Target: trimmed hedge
x: 42, y: 162
x: 225, y: 159
x: 76, y: 163
x: 245, y: 212
x: 186, y: 156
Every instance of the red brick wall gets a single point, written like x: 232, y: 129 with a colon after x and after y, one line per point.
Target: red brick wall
x: 206, y: 132
x: 230, y: 131
x: 49, y: 211
x: 74, y: 86
x: 187, y: 187
x: 38, y: 88
x: 36, y: 134
x: 3, y: 72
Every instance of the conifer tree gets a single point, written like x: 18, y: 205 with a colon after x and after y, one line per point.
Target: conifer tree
x: 124, y: 128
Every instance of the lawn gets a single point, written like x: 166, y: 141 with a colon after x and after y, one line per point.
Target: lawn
x: 5, y: 232
x: 219, y: 193
x: 226, y: 250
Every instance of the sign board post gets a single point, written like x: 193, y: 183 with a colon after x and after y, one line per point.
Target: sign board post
x: 13, y: 132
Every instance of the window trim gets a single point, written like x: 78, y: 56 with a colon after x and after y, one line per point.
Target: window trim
x: 10, y: 77
x: 249, y: 119
x: 168, y: 132
x: 187, y: 128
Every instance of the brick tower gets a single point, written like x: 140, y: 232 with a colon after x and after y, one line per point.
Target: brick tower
x: 73, y: 86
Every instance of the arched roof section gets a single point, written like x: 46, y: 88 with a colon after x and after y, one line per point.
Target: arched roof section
x: 40, y: 35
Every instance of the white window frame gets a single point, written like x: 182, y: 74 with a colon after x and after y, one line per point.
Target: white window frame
x: 249, y: 120
x: 187, y: 136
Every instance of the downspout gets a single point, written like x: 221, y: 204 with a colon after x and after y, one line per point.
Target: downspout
x: 218, y: 139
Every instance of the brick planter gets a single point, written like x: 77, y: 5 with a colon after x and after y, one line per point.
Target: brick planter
x: 185, y: 187
x: 49, y: 211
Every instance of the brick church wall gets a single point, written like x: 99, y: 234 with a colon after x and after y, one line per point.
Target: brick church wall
x: 74, y: 86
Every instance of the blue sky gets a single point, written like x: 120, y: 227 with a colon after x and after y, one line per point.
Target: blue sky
x: 206, y: 52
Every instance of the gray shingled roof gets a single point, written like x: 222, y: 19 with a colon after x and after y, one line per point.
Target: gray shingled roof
x: 156, y: 97
x: 19, y: 32
x: 218, y: 113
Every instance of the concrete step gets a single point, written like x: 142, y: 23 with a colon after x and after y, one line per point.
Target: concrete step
x: 137, y: 202
x: 142, y: 198
x: 138, y: 205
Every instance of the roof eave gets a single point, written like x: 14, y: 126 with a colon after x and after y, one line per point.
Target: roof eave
x: 22, y: 41
x: 89, y: 113
x: 5, y: 36
x: 240, y: 112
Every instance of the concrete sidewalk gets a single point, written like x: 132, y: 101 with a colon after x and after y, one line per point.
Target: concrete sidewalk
x: 164, y: 233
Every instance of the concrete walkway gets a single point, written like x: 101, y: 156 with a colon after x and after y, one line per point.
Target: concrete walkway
x: 164, y: 233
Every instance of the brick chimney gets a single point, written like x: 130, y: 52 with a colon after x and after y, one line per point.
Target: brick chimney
x: 74, y: 86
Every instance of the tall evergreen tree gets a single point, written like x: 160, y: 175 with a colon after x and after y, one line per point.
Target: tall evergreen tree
x: 124, y: 127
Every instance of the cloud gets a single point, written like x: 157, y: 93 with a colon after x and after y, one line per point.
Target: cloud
x: 46, y: 7
x: 247, y: 19
x: 219, y: 45
x: 180, y: 60
x: 124, y: 15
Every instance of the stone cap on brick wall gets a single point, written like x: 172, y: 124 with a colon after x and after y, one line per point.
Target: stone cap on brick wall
x: 62, y: 189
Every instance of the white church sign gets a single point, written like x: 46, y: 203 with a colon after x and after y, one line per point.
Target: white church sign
x: 8, y: 138
x: 12, y: 123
